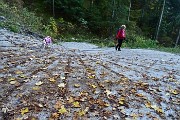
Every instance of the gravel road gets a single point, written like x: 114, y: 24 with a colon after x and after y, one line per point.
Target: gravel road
x: 81, y: 81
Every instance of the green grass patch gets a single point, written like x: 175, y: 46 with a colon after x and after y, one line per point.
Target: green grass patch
x: 175, y: 50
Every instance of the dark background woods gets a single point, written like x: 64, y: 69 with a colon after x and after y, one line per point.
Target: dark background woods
x: 155, y: 19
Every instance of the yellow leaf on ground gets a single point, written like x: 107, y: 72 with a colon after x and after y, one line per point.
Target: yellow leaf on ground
x: 81, y: 113
x: 52, y: 80
x: 24, y: 110
x: 93, y: 86
x: 175, y: 92
x: 148, y: 104
x: 91, y: 76
x: 76, y: 104
x: 62, y: 110
x: 121, y: 100
x: 156, y: 108
x: 70, y: 100
x: 22, y: 76
x: 36, y: 88
x: 11, y: 79
x: 39, y: 83
x: 19, y: 72
x: 108, y: 92
x: 139, y: 95
x: 77, y: 85
x: 106, y: 105
x: 98, y: 62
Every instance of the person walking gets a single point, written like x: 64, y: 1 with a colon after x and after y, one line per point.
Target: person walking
x: 120, y: 36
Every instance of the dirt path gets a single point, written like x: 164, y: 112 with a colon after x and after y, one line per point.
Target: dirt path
x: 81, y: 81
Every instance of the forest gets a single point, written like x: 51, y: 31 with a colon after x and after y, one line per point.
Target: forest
x: 155, y: 20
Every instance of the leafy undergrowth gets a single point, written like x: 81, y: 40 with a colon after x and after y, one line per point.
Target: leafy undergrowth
x: 59, y: 83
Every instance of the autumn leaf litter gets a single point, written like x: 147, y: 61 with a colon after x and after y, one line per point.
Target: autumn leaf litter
x: 80, y: 80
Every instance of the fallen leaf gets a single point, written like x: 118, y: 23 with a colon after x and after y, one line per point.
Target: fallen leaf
x: 91, y: 76
x: 70, y: 100
x: 13, y: 82
x: 36, y: 88
x: 22, y: 76
x: 52, y: 80
x: 108, y: 92
x: 11, y: 79
x: 39, y: 83
x: 139, y: 95
x: 93, y: 86
x: 98, y: 62
x: 61, y: 85
x: 76, y: 104
x: 55, y: 115
x: 175, y: 92
x: 77, y: 85
x: 62, y: 110
x: 24, y: 110
x: 156, y: 108
x: 63, y: 78
x: 148, y: 104
x: 40, y: 105
x: 58, y: 105
x: 81, y: 113
x: 19, y: 72
x: 121, y: 100
x: 5, y: 110
x: 106, y: 104
x: 1, y: 80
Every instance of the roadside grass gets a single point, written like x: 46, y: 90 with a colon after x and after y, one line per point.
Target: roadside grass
x: 175, y: 50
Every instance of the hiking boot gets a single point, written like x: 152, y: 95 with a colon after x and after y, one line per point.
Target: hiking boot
x: 119, y: 49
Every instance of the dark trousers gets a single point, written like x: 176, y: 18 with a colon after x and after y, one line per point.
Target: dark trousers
x: 118, y: 46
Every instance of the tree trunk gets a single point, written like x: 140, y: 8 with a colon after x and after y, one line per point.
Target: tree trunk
x: 177, y: 40
x: 160, y: 20
x: 129, y: 10
x: 92, y: 3
x: 53, y: 9
x: 113, y: 12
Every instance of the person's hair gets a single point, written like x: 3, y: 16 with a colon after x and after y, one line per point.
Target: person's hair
x: 123, y: 26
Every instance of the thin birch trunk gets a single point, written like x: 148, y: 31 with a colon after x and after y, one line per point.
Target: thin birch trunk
x: 113, y: 13
x: 160, y: 20
x: 129, y: 11
x: 92, y: 3
x: 177, y: 40
x: 53, y: 9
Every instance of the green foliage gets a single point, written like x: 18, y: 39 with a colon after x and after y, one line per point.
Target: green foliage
x: 20, y: 18
x: 171, y: 50
x: 51, y: 29
x: 136, y: 41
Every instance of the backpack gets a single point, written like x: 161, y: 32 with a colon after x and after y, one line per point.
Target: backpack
x: 121, y: 34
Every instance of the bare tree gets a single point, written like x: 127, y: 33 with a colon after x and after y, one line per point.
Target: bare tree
x: 177, y: 40
x: 53, y: 9
x: 160, y: 20
x: 113, y: 12
x: 129, y: 10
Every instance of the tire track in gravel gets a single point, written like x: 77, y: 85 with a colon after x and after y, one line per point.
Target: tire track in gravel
x: 97, y: 81
x: 153, y: 95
